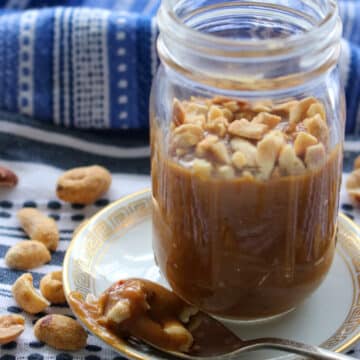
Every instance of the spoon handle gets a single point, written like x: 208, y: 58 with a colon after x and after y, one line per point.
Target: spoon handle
x: 313, y: 352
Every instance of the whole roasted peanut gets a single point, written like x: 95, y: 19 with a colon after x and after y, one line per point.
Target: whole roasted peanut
x: 11, y: 326
x: 27, y: 297
x: 60, y: 332
x: 27, y: 255
x: 7, y: 177
x: 51, y: 287
x: 83, y: 185
x: 39, y: 227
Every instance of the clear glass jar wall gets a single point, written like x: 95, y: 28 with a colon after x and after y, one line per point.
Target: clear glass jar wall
x: 247, y: 122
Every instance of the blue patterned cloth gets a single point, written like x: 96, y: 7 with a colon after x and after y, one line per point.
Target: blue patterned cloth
x: 75, y: 66
x: 62, y: 62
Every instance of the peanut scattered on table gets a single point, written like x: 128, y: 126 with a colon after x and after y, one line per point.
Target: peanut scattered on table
x: 39, y: 227
x: 11, y: 326
x: 60, y: 332
x: 83, y: 185
x: 51, y: 287
x: 27, y: 254
x: 27, y: 297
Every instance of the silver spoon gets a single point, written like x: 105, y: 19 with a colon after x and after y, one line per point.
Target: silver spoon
x: 221, y: 344
x: 214, y: 341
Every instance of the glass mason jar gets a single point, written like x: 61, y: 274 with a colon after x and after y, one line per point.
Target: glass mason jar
x: 247, y: 122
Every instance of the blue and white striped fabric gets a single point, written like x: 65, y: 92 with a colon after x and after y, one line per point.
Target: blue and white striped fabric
x: 62, y: 62
x: 77, y: 67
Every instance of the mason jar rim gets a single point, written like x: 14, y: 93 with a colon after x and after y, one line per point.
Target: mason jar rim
x: 168, y: 18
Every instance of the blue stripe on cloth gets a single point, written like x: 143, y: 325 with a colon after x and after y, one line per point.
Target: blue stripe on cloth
x: 43, y: 57
x: 8, y: 277
x: 9, y: 49
x: 61, y: 68
x: 143, y: 68
x: 353, y: 91
x: 123, y: 69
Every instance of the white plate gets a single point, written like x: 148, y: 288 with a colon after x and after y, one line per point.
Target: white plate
x: 116, y: 244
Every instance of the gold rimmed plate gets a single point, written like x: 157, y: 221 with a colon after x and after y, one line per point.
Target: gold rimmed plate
x: 116, y: 244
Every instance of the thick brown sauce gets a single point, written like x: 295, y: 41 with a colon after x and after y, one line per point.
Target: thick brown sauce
x: 242, y: 248
x: 209, y: 336
x: 152, y: 310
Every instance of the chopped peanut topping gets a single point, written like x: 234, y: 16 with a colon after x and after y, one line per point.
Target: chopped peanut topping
x: 203, y: 147
x: 315, y: 156
x: 318, y: 128
x: 226, y: 171
x: 228, y: 138
x: 268, y: 119
x: 247, y: 129
x: 219, y: 152
x: 317, y: 108
x: 302, y: 142
x: 298, y: 112
x: 187, y: 135
x: 196, y: 108
x: 248, y: 149
x: 221, y: 100
x: 262, y: 106
x: 119, y: 312
x: 217, y: 126
x: 178, y: 113
x: 214, y: 113
x: 202, y: 168
x: 195, y: 119
x: 232, y: 106
x: 289, y: 163
x: 239, y: 160
x: 284, y: 108
x: 268, y: 151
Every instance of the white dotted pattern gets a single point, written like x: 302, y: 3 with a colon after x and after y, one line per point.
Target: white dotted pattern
x: 26, y: 65
x: 66, y: 74
x: 122, y: 68
x: 56, y: 67
x: 90, y: 69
